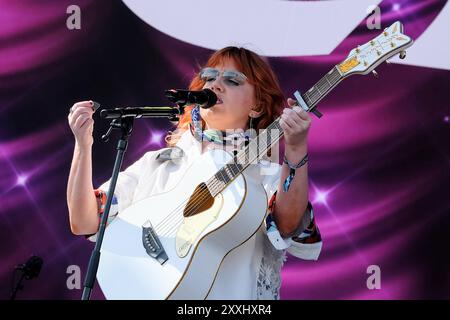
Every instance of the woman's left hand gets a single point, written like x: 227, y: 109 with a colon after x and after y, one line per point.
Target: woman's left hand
x: 295, y: 123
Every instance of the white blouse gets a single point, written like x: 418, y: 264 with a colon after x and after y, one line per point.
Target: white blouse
x: 252, y: 270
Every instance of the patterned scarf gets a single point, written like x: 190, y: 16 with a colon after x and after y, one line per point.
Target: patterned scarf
x: 212, y: 135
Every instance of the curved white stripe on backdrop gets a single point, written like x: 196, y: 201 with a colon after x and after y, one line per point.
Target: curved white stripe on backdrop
x: 269, y: 27
x: 431, y: 49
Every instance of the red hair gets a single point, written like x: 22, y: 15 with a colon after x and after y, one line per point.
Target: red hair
x: 268, y: 94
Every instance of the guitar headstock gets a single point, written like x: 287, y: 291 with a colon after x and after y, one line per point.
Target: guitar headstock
x: 365, y: 58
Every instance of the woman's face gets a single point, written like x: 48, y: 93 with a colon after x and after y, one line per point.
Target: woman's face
x: 235, y: 97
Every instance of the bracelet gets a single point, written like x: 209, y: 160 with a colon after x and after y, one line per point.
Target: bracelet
x: 292, y: 169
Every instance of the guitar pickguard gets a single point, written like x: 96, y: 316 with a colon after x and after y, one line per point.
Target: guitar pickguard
x: 193, y: 225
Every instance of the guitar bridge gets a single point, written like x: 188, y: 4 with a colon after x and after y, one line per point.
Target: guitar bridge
x: 152, y: 245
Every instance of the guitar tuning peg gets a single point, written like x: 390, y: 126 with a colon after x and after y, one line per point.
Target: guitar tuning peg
x: 375, y: 74
x: 402, y: 54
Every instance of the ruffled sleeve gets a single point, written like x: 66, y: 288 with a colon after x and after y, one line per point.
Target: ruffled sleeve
x: 305, y: 242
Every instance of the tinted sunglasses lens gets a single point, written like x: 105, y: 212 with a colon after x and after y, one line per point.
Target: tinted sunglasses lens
x: 234, y: 76
x: 209, y: 74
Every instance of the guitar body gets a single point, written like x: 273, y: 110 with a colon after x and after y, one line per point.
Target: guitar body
x: 194, y: 245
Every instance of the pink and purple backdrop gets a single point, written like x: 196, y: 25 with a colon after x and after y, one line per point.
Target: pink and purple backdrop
x: 379, y: 158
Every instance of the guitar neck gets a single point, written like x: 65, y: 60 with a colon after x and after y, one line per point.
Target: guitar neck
x: 318, y: 91
x: 259, y: 145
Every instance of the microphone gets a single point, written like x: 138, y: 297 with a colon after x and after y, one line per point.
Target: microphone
x: 31, y: 268
x: 205, y: 98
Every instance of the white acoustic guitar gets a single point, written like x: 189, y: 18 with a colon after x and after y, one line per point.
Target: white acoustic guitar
x: 159, y: 248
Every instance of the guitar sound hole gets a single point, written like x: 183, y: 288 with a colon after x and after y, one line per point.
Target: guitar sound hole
x: 200, y: 200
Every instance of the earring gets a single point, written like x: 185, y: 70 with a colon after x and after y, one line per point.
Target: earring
x: 250, y: 125
x: 249, y: 132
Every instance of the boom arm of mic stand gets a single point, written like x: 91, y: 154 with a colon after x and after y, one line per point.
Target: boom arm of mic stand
x: 117, y: 114
x: 142, y: 112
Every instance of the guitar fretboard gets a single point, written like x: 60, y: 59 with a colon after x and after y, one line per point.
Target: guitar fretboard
x: 318, y: 91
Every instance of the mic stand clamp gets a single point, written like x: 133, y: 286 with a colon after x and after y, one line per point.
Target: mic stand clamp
x: 124, y: 124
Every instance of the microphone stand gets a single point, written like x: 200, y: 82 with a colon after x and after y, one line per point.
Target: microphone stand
x: 124, y: 123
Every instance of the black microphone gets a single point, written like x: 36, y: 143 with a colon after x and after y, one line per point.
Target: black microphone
x: 32, y: 267
x: 30, y: 270
x: 205, y: 98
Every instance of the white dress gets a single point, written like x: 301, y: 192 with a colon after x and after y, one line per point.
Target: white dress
x: 251, y: 271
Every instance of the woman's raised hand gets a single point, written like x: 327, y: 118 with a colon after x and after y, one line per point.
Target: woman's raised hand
x: 81, y: 123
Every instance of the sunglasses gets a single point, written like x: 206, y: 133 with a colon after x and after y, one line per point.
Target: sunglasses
x: 231, y: 77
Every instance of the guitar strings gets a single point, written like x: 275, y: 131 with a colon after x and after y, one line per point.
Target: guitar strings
x: 172, y: 221
x: 198, y: 200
